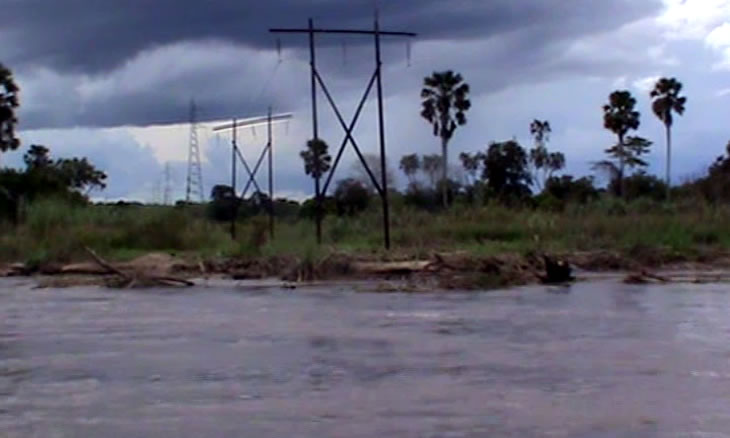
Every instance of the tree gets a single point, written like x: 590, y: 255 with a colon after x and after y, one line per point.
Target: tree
x: 317, y: 162
x: 432, y: 165
x: 470, y: 163
x: 373, y: 161
x: 643, y: 185
x: 715, y: 186
x: 222, y: 192
x: 351, y: 197
x: 444, y: 105
x: 543, y: 163
x: 666, y: 100
x: 620, y: 117
x: 224, y: 203
x: 37, y: 157
x: 540, y: 131
x: 8, y: 104
x: 626, y: 155
x: 410, y: 165
x: 567, y: 188
x: 79, y: 174
x: 69, y: 179
x: 506, y: 171
x: 76, y: 174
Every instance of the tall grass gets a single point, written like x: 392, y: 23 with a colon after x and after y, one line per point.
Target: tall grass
x: 56, y: 231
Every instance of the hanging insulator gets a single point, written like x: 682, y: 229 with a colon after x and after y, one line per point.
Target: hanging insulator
x: 278, y: 49
x: 408, y: 53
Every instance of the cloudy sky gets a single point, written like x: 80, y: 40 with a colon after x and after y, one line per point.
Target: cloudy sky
x: 112, y: 80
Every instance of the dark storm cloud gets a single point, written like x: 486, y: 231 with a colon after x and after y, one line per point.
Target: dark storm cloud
x: 96, y: 36
x: 108, y: 63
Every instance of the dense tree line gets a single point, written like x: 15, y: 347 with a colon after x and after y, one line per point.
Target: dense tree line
x: 509, y: 173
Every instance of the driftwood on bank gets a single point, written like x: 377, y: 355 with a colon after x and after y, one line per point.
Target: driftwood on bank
x: 133, y: 278
x: 391, y: 268
x: 645, y: 277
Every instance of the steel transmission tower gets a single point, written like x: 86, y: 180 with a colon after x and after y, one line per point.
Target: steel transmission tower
x: 167, y: 196
x: 195, y: 171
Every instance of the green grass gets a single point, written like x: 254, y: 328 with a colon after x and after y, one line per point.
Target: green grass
x: 56, y: 231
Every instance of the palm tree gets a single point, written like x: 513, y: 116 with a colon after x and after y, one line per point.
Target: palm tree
x: 317, y: 162
x: 8, y: 104
x: 444, y: 105
x: 666, y: 100
x: 620, y: 117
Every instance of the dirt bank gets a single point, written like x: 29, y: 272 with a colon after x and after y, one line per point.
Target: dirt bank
x: 455, y: 270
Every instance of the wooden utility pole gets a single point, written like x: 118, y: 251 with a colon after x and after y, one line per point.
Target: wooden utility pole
x: 377, y: 78
x: 234, y: 204
x: 270, y: 119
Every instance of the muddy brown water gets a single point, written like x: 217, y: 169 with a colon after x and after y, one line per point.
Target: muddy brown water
x: 598, y: 359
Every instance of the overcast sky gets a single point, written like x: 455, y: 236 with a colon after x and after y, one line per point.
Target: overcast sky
x: 112, y: 80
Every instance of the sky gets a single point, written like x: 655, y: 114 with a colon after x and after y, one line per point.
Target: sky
x: 113, y: 81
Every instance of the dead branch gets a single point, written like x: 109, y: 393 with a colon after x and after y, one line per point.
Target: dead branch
x: 131, y: 281
x: 106, y: 265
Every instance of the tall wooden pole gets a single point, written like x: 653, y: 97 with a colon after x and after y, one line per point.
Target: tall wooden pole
x: 234, y: 204
x: 271, y: 178
x: 381, y: 126
x: 311, y: 31
x: 315, y: 128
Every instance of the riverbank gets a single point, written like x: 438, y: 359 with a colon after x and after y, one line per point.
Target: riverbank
x: 441, y: 271
x: 465, y: 247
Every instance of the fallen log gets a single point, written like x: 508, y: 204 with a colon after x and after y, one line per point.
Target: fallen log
x: 390, y: 268
x: 83, y: 269
x: 644, y: 277
x: 14, y: 270
x: 130, y: 280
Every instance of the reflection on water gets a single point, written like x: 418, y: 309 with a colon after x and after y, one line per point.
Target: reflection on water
x: 598, y: 360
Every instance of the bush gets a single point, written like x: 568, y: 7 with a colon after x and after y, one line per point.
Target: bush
x: 566, y: 188
x: 351, y: 197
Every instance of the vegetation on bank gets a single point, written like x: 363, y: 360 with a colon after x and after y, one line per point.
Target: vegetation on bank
x: 56, y: 231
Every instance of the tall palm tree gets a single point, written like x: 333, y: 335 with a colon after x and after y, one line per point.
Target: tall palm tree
x: 666, y: 100
x: 620, y: 117
x: 444, y: 105
x: 8, y: 105
x: 317, y: 162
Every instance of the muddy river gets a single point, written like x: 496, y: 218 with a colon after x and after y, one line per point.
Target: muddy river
x: 598, y: 359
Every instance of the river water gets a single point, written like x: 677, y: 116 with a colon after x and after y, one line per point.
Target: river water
x: 598, y: 359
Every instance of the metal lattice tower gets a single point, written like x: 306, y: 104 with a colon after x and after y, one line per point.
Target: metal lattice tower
x: 195, y: 171
x: 167, y: 196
